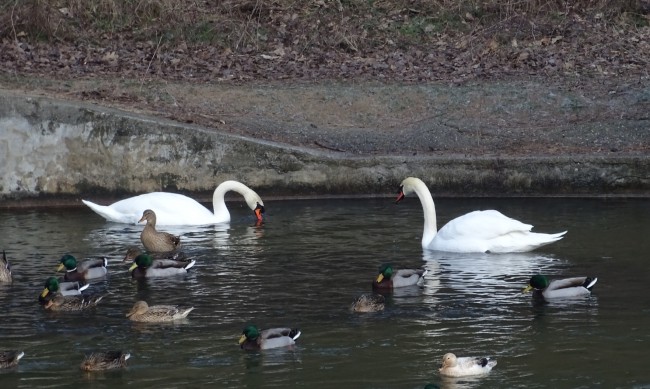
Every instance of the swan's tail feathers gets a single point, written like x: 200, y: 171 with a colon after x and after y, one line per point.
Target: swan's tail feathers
x: 558, y: 236
x: 590, y: 282
x: 544, y: 239
x: 109, y: 213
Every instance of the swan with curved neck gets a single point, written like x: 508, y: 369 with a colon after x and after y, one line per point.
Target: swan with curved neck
x: 475, y: 232
x: 177, y: 209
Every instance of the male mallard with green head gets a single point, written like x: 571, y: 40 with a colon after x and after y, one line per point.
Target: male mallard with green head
x: 564, y: 288
x: 53, y: 286
x: 145, y: 267
x: 254, y: 339
x: 157, y: 241
x: 142, y: 312
x: 106, y: 360
x: 82, y: 271
x: 388, y: 278
x: 65, y: 296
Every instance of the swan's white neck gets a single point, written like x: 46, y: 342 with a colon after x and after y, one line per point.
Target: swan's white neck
x: 218, y: 201
x: 428, y: 207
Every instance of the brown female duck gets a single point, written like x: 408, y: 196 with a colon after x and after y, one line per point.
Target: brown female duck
x: 10, y: 358
x: 156, y: 241
x: 142, y: 312
x: 106, y: 360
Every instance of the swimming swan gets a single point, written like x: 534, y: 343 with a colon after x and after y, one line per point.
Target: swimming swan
x: 177, y: 209
x: 475, y: 232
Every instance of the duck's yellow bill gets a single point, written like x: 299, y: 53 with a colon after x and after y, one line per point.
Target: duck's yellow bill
x: 527, y: 289
x: 45, y: 292
x: 60, y: 267
x: 380, y: 278
x: 242, y: 339
x: 133, y: 266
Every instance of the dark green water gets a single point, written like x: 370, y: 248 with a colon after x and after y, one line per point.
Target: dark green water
x: 303, y: 268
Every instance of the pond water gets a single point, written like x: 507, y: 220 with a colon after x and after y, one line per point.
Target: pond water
x: 304, y: 266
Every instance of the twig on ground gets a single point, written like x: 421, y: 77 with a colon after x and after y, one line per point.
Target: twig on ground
x: 155, y: 52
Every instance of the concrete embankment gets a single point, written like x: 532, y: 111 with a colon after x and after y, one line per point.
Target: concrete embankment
x: 53, y: 149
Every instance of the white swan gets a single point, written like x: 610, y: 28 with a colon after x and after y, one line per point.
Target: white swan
x: 475, y: 232
x: 177, y: 209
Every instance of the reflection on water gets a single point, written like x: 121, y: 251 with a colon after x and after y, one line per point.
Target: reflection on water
x: 305, y: 265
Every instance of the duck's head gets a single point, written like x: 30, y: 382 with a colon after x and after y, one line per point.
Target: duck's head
x: 139, y: 308
x: 448, y: 360
x: 250, y: 332
x: 51, y: 286
x: 131, y: 254
x: 537, y: 281
x: 67, y: 262
x: 142, y: 261
x: 149, y: 216
x: 385, y: 271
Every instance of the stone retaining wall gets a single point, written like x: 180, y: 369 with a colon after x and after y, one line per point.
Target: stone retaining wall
x: 52, y: 149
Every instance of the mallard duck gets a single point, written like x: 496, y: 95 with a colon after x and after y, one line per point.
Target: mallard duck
x: 389, y: 278
x: 5, y: 269
x: 565, y: 288
x: 82, y: 271
x: 177, y: 209
x: 453, y: 366
x: 145, y: 267
x: 475, y: 232
x: 10, y: 358
x: 71, y: 303
x: 253, y: 339
x: 157, y: 241
x: 133, y: 252
x: 369, y: 303
x: 53, y: 287
x: 142, y: 312
x: 106, y: 360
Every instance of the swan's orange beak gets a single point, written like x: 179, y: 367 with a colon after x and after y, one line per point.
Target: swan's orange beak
x: 259, y: 210
x: 400, y: 196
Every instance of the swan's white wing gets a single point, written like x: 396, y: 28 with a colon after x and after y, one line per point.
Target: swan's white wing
x: 170, y: 209
x: 489, y: 231
x: 484, y: 225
